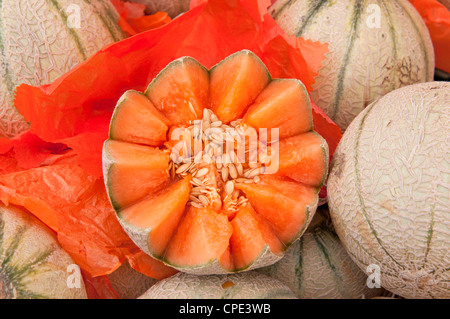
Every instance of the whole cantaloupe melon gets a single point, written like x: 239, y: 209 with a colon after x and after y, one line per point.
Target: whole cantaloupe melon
x: 246, y: 285
x: 388, y: 190
x: 41, y: 40
x: 374, y: 48
x: 32, y: 263
x: 318, y: 267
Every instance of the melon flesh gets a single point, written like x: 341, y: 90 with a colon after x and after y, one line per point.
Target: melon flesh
x: 283, y: 104
x: 202, y: 236
x: 296, y: 156
x: 160, y: 213
x: 251, y: 235
x: 38, y: 45
x: 180, y: 92
x: 136, y: 120
x: 287, y: 205
x: 394, y: 209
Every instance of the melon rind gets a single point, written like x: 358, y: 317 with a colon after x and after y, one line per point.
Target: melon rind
x: 37, y: 45
x: 32, y: 263
x: 248, y: 285
x: 388, y: 190
x: 366, y: 59
x: 318, y: 267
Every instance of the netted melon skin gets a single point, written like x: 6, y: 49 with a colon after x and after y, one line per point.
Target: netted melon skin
x: 32, y: 263
x: 388, y: 190
x: 318, y: 267
x: 374, y: 48
x: 42, y: 40
x: 246, y: 285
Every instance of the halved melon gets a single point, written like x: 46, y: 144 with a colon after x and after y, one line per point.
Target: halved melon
x: 198, y: 201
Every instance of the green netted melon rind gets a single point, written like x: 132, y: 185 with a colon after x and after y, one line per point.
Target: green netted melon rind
x: 32, y: 263
x: 374, y: 48
x: 389, y: 190
x: 247, y: 285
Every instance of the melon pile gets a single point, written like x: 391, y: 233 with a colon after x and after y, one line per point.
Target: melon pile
x: 216, y: 172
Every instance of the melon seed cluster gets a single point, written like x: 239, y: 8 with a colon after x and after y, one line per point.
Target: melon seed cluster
x: 208, y: 144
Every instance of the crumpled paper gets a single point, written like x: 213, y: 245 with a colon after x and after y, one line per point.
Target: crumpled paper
x: 437, y: 18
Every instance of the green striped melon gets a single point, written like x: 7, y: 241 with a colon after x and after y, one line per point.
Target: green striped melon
x: 172, y: 7
x: 41, y: 40
x: 388, y: 190
x: 32, y: 263
x: 130, y: 283
x: 318, y: 267
x: 374, y: 48
x: 246, y: 285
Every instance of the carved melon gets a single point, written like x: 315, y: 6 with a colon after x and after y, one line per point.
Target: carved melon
x: 32, y: 263
x: 389, y: 190
x: 318, y: 267
x: 246, y: 285
x: 374, y: 48
x: 41, y: 40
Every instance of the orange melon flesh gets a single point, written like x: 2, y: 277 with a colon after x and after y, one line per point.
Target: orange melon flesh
x: 136, y: 120
x: 250, y: 236
x: 283, y: 104
x: 161, y: 212
x: 282, y: 202
x: 226, y: 260
x: 202, y: 237
x: 181, y: 91
x: 133, y: 171
x: 303, y: 158
x: 235, y: 83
